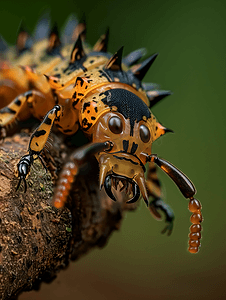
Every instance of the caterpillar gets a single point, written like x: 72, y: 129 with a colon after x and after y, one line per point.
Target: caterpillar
x: 63, y: 82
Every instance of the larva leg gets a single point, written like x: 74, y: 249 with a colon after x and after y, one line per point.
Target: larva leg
x: 79, y: 158
x: 40, y: 136
x: 37, y: 142
x: 157, y: 204
x: 18, y: 107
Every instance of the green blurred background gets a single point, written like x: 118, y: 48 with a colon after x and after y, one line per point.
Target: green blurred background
x: 139, y: 262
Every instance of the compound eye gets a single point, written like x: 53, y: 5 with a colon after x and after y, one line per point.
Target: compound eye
x: 115, y: 125
x: 144, y: 134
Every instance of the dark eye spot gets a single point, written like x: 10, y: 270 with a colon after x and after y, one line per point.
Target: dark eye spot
x: 144, y: 134
x: 115, y: 125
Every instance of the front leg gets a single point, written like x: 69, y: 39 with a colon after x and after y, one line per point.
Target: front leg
x: 40, y: 136
x: 37, y: 143
x: 78, y: 160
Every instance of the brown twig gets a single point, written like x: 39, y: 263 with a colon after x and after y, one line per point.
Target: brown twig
x: 36, y: 240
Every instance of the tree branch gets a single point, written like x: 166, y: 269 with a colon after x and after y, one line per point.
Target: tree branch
x: 36, y: 239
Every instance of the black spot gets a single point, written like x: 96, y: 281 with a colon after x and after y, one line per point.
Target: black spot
x: 85, y: 106
x: 17, y: 102
x: 134, y: 148
x: 96, y: 109
x: 74, y: 95
x: 39, y: 133
x: 85, y: 124
x: 47, y: 120
x: 88, y: 111
x: 125, y: 145
x: 81, y: 81
x: 91, y: 61
x: 67, y: 130
x: 93, y: 118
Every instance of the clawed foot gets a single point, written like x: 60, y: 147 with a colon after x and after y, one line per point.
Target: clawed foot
x: 159, y: 205
x: 19, y: 183
x: 168, y: 228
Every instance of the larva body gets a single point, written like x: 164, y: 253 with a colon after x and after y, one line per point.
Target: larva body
x: 74, y: 87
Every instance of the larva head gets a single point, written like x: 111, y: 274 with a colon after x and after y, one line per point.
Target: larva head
x: 120, y: 116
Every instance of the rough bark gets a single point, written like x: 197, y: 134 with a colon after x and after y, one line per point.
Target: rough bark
x: 36, y: 239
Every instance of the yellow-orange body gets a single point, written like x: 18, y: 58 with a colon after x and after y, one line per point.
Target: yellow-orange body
x: 79, y: 88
